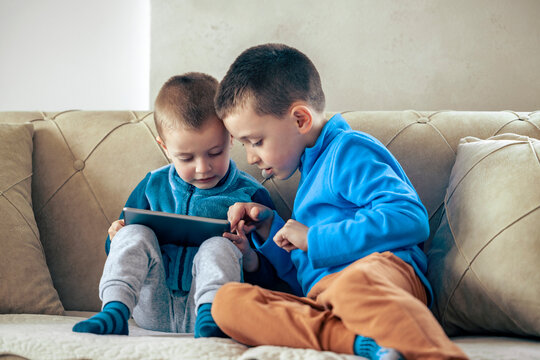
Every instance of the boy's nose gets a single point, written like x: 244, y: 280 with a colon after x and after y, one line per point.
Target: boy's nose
x: 252, y: 158
x: 203, y: 166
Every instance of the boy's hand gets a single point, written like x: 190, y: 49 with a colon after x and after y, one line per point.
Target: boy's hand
x: 240, y: 240
x: 293, y: 235
x: 115, y: 227
x: 255, y: 217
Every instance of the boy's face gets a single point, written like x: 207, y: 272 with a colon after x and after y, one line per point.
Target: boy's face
x: 200, y: 156
x: 273, y: 144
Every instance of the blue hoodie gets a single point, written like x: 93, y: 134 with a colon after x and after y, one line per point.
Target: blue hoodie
x: 164, y: 190
x: 356, y: 200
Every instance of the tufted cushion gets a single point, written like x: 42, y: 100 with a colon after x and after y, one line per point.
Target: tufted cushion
x: 25, y: 281
x: 86, y: 165
x: 484, y: 258
x: 425, y: 143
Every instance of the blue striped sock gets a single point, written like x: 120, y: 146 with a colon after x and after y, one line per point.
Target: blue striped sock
x: 205, y: 326
x: 113, y: 319
x: 368, y: 348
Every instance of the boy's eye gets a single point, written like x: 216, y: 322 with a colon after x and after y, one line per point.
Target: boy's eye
x: 258, y: 143
x: 185, y: 159
x: 216, y: 154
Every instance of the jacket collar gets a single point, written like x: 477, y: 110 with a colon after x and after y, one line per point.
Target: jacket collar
x: 331, y: 129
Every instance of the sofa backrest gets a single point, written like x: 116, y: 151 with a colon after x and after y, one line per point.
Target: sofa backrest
x: 85, y: 164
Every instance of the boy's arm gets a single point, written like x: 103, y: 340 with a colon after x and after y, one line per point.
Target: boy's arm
x: 265, y: 275
x: 279, y: 258
x: 382, y: 211
x: 137, y: 199
x: 274, y: 263
x: 262, y: 197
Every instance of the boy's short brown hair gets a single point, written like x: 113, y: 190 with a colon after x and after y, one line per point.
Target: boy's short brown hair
x: 272, y: 77
x: 185, y: 100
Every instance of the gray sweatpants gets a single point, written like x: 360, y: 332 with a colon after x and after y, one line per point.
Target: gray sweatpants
x: 134, y: 274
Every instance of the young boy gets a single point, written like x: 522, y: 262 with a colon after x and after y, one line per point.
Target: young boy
x: 154, y: 283
x: 352, y: 242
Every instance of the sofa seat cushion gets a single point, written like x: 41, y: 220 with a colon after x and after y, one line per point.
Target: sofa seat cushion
x: 25, y: 282
x: 483, y: 259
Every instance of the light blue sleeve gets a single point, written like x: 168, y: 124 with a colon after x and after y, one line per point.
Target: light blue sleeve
x: 137, y: 199
x: 383, y: 210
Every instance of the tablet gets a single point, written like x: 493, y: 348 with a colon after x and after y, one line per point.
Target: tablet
x: 183, y: 230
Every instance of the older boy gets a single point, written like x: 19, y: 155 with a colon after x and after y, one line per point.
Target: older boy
x: 353, y: 238
x: 153, y: 282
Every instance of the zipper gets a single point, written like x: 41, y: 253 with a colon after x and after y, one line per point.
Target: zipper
x: 191, y: 189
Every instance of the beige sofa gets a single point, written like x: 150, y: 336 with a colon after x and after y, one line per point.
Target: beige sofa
x: 80, y: 166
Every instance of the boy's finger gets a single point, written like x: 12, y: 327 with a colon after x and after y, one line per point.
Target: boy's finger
x: 233, y: 220
x: 232, y: 237
x: 248, y: 228
x: 240, y: 228
x: 229, y: 236
x: 283, y: 242
x: 289, y: 247
x: 260, y: 214
x: 279, y: 239
x: 235, y: 214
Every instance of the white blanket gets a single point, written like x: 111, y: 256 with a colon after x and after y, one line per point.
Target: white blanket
x: 50, y: 337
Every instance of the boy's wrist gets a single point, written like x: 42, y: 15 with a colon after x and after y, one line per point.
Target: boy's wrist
x: 250, y: 260
x: 264, y: 228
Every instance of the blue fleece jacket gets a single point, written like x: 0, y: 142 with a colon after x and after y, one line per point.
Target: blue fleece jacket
x: 356, y: 199
x: 163, y: 190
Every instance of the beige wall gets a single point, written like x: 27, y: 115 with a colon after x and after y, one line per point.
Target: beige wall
x: 372, y: 55
x: 74, y: 54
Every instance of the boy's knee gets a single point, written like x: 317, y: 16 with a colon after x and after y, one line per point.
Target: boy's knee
x: 219, y: 245
x: 135, y: 234
x: 359, y: 278
x: 138, y: 229
x: 134, y: 229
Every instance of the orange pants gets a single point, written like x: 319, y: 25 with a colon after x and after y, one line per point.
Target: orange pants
x: 378, y: 296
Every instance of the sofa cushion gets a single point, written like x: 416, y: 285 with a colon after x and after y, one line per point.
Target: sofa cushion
x: 483, y: 259
x: 25, y: 281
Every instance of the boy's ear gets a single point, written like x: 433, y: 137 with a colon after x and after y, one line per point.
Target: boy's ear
x: 302, y: 116
x: 163, y: 146
x: 232, y: 141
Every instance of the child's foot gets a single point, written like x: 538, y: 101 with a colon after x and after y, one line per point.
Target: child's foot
x: 113, y: 319
x: 368, y: 348
x: 205, y: 326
